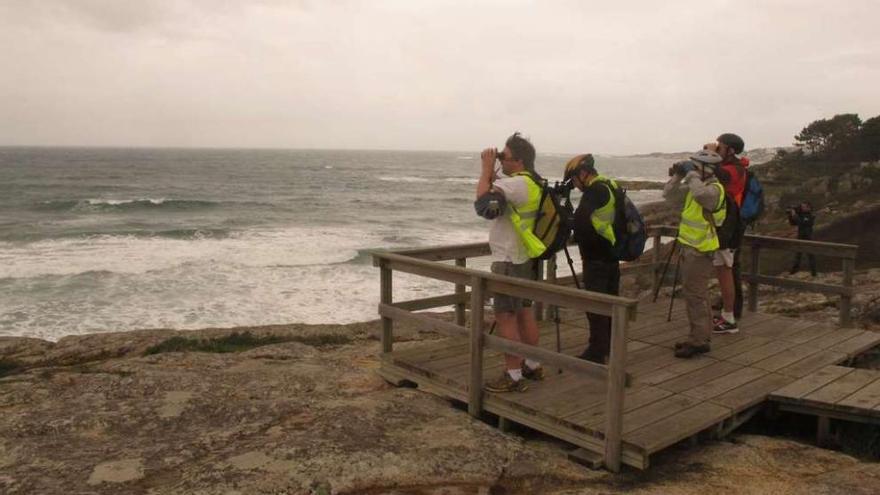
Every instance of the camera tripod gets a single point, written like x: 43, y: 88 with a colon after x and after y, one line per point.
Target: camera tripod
x: 674, y: 278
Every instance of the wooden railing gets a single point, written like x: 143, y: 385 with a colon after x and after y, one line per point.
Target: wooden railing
x: 424, y: 262
x: 756, y: 244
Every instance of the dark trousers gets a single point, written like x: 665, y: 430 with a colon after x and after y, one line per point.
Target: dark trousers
x: 601, y: 276
x: 737, y: 286
x: 797, y: 263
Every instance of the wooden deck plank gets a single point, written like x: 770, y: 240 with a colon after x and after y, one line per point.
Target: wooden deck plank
x: 843, y: 387
x: 809, y: 333
x: 780, y: 327
x: 696, y: 378
x: 726, y: 383
x: 738, y: 347
x: 763, y: 352
x: 811, y: 383
x: 812, y: 363
x: 655, y: 412
x: 635, y: 397
x: 867, y: 397
x: 751, y: 393
x: 858, y: 344
x: 655, y: 436
x: 673, y: 368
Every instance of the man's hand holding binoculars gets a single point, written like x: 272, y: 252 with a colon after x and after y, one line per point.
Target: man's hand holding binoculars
x: 682, y: 168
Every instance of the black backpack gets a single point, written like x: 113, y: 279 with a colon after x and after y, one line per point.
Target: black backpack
x: 730, y: 232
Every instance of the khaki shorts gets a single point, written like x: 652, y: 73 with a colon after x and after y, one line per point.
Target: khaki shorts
x: 503, y: 302
x: 723, y: 257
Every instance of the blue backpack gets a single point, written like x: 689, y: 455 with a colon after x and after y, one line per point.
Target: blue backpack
x: 753, y: 199
x: 629, y: 227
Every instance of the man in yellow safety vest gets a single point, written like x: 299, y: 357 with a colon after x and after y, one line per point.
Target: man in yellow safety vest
x: 694, y: 190
x: 594, y: 233
x: 511, y: 203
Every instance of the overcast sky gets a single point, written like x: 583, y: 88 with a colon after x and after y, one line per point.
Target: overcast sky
x: 599, y: 76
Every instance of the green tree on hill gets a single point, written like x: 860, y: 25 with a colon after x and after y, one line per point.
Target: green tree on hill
x: 836, y: 137
x: 869, y: 139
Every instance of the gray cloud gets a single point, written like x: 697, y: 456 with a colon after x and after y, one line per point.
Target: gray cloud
x: 444, y: 74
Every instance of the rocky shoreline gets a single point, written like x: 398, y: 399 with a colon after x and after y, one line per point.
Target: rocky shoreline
x: 108, y: 413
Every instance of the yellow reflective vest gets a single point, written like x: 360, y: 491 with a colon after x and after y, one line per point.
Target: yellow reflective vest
x: 523, y: 218
x: 694, y: 230
x: 602, y: 218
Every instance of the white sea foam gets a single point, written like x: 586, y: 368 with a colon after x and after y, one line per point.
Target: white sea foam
x: 130, y: 254
x: 99, y: 284
x: 403, y: 179
x: 117, y: 202
x: 462, y: 180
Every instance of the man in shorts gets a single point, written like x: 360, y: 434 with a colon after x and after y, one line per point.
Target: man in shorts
x: 496, y: 196
x: 732, y: 175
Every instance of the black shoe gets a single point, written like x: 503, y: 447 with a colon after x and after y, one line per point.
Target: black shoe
x: 589, y: 355
x: 724, y: 326
x: 689, y: 350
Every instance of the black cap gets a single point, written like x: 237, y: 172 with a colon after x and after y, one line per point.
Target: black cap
x: 735, y: 142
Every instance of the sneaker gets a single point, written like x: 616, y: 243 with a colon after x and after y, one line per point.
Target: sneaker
x: 689, y: 350
x: 724, y: 326
x: 590, y: 355
x: 505, y: 383
x: 536, y: 374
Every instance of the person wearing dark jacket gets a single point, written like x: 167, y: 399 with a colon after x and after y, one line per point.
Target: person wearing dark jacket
x: 594, y: 234
x: 803, y: 218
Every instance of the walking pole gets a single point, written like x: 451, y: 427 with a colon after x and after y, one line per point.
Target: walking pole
x: 674, y: 282
x: 665, y: 269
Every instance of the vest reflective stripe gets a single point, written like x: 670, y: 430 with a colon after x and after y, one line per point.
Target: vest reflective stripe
x: 694, y: 230
x: 523, y: 218
x: 602, y: 219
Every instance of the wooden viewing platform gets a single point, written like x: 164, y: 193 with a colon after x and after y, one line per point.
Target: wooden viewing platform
x: 669, y: 399
x: 645, y: 399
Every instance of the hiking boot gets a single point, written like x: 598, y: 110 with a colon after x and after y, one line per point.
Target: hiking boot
x: 536, y: 374
x: 505, y: 383
x: 679, y: 345
x: 592, y: 356
x: 688, y: 350
x: 724, y: 326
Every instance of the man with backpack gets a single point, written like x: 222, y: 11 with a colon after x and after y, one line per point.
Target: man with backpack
x: 512, y: 203
x: 594, y: 231
x: 693, y: 188
x: 732, y: 174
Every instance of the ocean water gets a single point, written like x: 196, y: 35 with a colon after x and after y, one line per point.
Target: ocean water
x: 96, y: 240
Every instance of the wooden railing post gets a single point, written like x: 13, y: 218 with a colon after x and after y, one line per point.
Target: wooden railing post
x: 754, y: 255
x: 475, y: 385
x: 655, y: 258
x: 551, y: 278
x: 616, y: 389
x: 538, y: 305
x: 459, y: 290
x: 385, y: 296
x: 846, y: 300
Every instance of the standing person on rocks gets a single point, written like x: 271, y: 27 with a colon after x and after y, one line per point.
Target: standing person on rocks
x: 594, y: 233
x: 732, y: 175
x: 694, y: 190
x: 802, y: 216
x: 511, y: 203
